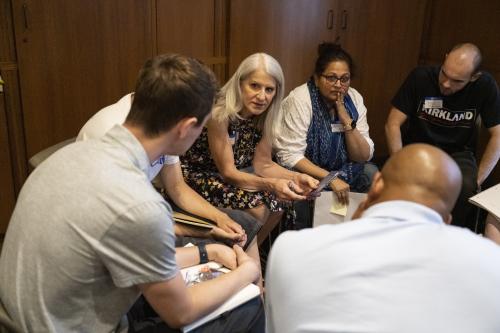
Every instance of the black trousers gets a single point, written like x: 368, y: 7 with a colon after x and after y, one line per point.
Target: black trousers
x: 248, y: 317
x: 464, y: 213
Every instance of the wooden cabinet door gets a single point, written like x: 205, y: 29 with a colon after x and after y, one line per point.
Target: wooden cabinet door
x: 7, y: 192
x: 196, y: 28
x: 384, y: 38
x: 289, y: 30
x: 75, y: 57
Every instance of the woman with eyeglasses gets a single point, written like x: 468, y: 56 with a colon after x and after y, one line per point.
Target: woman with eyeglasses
x: 324, y: 126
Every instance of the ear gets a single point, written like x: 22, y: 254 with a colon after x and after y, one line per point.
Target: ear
x: 475, y: 76
x: 376, y: 187
x: 373, y: 194
x: 185, y: 126
x: 448, y: 219
x: 316, y: 79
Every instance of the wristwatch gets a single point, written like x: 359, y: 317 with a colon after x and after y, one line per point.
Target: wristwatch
x: 203, y: 253
x: 351, y: 126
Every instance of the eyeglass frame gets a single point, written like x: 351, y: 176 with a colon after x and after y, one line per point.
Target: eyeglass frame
x: 333, y: 79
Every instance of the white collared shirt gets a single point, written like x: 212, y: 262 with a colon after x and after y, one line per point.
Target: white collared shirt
x: 296, y: 114
x: 397, y: 269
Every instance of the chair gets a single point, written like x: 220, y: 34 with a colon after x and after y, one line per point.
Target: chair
x: 41, y: 156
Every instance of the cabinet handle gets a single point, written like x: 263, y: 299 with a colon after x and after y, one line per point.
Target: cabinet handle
x: 25, y: 13
x: 344, y: 19
x: 329, y: 20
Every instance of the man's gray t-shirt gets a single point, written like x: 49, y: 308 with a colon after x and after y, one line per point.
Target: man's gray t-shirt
x: 88, y: 227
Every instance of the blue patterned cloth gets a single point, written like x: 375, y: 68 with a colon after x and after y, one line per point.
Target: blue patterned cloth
x: 325, y: 148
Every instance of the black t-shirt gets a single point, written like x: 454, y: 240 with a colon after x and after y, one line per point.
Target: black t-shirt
x: 447, y: 122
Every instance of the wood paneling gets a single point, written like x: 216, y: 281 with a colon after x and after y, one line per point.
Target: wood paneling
x: 289, y: 30
x: 13, y: 169
x: 74, y: 58
x: 182, y: 29
x: 384, y: 38
x: 15, y: 128
x: 199, y: 33
x: 7, y: 46
x: 7, y: 193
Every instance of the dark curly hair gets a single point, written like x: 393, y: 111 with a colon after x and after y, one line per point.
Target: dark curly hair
x: 329, y: 52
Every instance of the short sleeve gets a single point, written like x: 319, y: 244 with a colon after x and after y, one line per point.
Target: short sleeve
x: 405, y: 99
x: 490, y: 111
x: 140, y: 246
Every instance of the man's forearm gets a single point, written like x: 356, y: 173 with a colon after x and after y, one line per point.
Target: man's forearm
x: 490, y: 158
x: 189, y: 200
x: 393, y: 137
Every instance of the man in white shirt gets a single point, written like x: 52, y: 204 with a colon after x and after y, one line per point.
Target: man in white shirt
x: 398, y: 268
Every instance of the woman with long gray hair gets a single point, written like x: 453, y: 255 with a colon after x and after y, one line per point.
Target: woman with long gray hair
x: 231, y: 163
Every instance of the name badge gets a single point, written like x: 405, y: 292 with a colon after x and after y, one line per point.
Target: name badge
x: 433, y: 103
x: 337, y: 128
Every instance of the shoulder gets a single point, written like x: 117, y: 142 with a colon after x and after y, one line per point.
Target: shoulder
x: 106, y: 118
x: 298, y: 97
x: 486, y: 81
x: 355, y: 95
x: 300, y: 93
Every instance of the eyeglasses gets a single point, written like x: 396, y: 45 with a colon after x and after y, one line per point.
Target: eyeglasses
x: 333, y: 79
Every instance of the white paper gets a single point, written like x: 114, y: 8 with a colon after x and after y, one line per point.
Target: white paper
x: 489, y: 200
x: 244, y: 295
x: 322, y: 214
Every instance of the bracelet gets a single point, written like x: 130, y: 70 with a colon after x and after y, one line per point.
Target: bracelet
x: 203, y: 253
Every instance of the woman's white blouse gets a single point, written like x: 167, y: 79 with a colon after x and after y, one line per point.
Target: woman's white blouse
x: 296, y: 114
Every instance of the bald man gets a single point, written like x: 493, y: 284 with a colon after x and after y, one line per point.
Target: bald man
x: 398, y: 268
x: 440, y: 105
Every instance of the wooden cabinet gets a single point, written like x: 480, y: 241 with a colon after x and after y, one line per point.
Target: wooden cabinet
x: 289, y: 30
x: 74, y: 58
x: 199, y: 33
x: 12, y: 153
x: 384, y: 39
x: 7, y: 192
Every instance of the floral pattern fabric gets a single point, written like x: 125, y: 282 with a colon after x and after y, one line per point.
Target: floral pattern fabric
x: 201, y: 174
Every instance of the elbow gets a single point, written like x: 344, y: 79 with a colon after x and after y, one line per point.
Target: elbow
x: 390, y: 129
x: 259, y: 166
x: 361, y: 158
x: 387, y: 129
x: 180, y: 319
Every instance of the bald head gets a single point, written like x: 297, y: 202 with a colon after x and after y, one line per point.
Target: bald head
x: 468, y: 54
x: 424, y: 174
x: 460, y: 67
